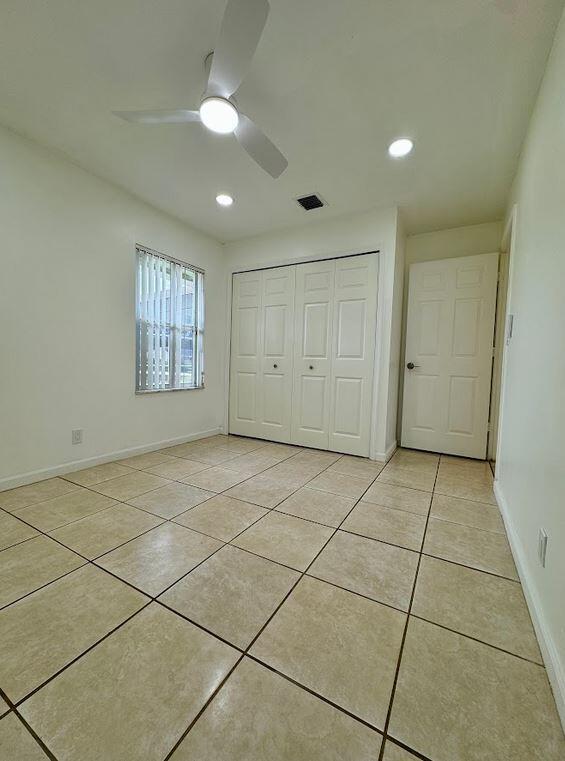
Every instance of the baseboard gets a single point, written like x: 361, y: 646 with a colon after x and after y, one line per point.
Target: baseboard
x: 384, y: 456
x: 549, y: 651
x: 30, y: 477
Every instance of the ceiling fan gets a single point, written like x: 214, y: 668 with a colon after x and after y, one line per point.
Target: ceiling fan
x: 242, y: 26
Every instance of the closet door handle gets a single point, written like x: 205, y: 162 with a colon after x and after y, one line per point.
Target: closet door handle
x: 275, y: 366
x: 310, y: 367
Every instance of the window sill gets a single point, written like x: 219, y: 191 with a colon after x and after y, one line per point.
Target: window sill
x: 142, y: 392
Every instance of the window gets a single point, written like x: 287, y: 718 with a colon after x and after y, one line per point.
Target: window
x: 169, y: 322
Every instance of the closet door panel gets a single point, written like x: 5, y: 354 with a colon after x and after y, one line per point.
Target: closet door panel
x: 352, y: 365
x: 278, y: 287
x: 312, y: 356
x: 246, y: 353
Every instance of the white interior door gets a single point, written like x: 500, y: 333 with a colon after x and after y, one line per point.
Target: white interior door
x: 312, y: 354
x: 275, y: 408
x: 246, y: 354
x: 448, y: 363
x: 353, y: 347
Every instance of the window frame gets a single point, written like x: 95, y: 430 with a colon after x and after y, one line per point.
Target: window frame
x: 199, y: 320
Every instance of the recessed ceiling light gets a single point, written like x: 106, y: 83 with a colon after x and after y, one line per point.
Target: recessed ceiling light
x: 400, y: 147
x: 219, y: 115
x: 224, y: 200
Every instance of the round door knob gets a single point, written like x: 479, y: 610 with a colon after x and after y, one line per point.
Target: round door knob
x: 310, y: 367
x: 275, y: 366
x: 411, y: 365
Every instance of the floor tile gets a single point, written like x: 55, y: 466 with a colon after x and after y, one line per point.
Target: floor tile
x: 317, y: 457
x: 399, y: 498
x: 262, y: 491
x: 280, y: 451
x: 460, y: 699
x: 16, y: 743
x: 476, y: 604
x: 15, y: 499
x: 232, y: 594
x: 133, y: 695
x: 465, y: 488
x: 388, y: 525
x: 396, y: 753
x: 319, y: 506
x: 13, y: 531
x: 289, y: 474
x: 213, y: 456
x: 413, y: 458
x: 455, y: 510
x: 358, y: 467
x: 129, y: 486
x: 48, y: 629
x: 97, y: 474
x: 380, y: 571
x: 215, y: 479
x: 285, y: 539
x: 4, y: 707
x: 337, y: 483
x: 221, y: 517
x: 177, y: 469
x: 478, y: 471
x: 28, y: 566
x: 181, y: 450
x: 251, y: 464
x: 241, y: 445
x: 171, y: 500
x: 338, y: 644
x: 147, y: 460
x: 259, y: 715
x: 61, y: 510
x: 105, y: 530
x: 158, y: 558
x: 484, y: 550
x: 413, y: 478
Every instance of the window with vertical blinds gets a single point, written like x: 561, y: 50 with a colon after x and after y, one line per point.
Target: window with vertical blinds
x: 169, y: 323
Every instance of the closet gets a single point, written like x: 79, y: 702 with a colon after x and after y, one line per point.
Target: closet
x: 302, y: 353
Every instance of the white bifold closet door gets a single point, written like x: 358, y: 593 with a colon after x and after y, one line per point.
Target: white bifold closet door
x: 335, y: 321
x: 261, y: 353
x: 302, y: 357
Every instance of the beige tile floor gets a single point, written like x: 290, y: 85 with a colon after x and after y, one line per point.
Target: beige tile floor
x: 233, y: 599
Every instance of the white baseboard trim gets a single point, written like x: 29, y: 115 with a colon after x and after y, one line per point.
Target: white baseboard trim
x: 32, y: 476
x: 549, y: 651
x: 384, y: 456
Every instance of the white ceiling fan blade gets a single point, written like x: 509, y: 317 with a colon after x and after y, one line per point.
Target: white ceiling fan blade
x: 240, y: 33
x: 259, y: 147
x: 180, y: 116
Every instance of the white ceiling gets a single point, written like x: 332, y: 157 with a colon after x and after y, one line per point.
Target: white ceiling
x: 333, y: 81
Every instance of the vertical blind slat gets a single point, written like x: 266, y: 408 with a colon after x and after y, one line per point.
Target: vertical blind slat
x: 169, y: 323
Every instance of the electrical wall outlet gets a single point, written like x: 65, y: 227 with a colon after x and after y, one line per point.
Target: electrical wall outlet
x: 77, y: 436
x: 542, y: 546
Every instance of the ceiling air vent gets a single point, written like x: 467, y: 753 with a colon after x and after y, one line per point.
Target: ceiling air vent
x: 311, y: 202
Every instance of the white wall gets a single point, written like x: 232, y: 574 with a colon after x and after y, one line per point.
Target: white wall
x: 531, y: 464
x: 67, y: 343
x: 443, y: 244
x: 354, y: 233
x: 456, y: 241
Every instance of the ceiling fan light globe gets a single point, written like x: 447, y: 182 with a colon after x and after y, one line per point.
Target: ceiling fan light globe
x: 400, y: 147
x: 219, y: 115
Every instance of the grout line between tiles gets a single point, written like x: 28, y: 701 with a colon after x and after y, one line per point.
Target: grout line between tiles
x: 340, y: 708
x: 404, y: 634
x: 78, y: 657
x: 476, y: 639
